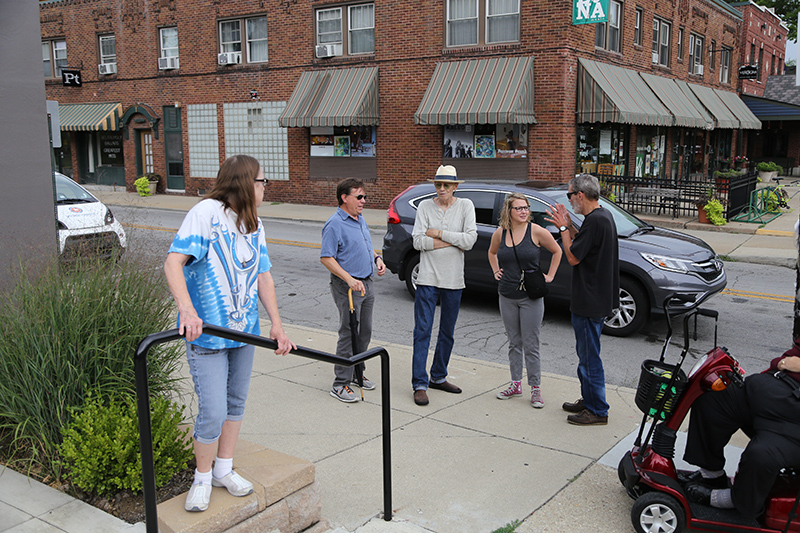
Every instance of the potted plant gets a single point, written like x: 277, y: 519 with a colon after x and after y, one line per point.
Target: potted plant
x: 723, y: 163
x: 740, y: 161
x: 715, y: 212
x: 701, y: 203
x: 147, y: 184
x: 768, y: 170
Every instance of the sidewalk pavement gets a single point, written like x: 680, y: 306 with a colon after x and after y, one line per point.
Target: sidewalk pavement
x: 464, y: 463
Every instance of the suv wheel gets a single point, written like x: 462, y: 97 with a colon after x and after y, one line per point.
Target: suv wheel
x: 412, y: 272
x: 633, y: 311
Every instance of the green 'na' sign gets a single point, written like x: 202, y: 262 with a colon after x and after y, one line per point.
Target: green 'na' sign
x: 589, y: 11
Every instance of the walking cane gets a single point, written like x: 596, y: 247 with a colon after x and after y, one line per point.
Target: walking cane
x: 358, y: 370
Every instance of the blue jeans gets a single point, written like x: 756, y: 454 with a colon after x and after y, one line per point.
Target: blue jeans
x: 221, y: 381
x: 590, y: 366
x: 424, y: 310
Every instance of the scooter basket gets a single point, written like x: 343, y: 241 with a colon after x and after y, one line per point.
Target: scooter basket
x: 653, y: 383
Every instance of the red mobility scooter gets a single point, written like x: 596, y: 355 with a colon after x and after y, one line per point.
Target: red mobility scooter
x: 665, y: 394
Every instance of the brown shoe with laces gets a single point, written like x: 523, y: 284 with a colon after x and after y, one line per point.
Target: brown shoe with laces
x: 587, y: 418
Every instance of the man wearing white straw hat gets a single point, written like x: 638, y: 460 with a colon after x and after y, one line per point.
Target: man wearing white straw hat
x: 444, y: 229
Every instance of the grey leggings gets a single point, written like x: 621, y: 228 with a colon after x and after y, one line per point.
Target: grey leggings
x: 523, y: 321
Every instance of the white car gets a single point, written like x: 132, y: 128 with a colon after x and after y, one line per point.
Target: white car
x: 85, y: 225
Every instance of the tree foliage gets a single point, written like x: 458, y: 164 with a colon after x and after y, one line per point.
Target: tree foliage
x: 787, y: 10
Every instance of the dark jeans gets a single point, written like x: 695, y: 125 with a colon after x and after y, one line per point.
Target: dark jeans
x: 424, y: 310
x: 590, y: 366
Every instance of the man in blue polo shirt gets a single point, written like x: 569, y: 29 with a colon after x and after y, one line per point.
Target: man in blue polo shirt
x: 347, y: 252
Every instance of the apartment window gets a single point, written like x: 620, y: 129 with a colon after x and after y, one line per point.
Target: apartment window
x: 661, y: 42
x: 760, y: 62
x: 54, y: 57
x: 772, y: 65
x: 607, y: 35
x: 108, y: 49
x: 725, y: 65
x: 680, y: 44
x: 473, y: 22
x: 637, y: 27
x: 169, y: 42
x: 255, y: 38
x: 752, y: 53
x: 695, y: 55
x: 713, y: 53
x: 359, y: 22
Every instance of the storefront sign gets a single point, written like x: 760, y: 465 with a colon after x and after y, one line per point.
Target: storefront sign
x: 111, y: 149
x: 589, y: 11
x: 71, y: 78
x: 748, y: 72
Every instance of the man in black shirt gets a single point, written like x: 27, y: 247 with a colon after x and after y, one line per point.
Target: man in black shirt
x: 594, y: 253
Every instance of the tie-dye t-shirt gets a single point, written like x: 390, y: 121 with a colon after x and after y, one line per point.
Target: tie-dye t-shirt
x: 222, y: 276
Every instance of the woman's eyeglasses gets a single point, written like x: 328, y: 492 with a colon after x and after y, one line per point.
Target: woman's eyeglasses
x: 262, y: 182
x: 521, y: 208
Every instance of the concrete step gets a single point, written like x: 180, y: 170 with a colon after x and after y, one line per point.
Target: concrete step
x: 285, y: 498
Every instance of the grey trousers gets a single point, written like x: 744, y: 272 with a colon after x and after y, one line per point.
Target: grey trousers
x: 523, y: 321
x: 363, y: 306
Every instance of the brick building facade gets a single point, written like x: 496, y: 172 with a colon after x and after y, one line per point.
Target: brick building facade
x: 197, y: 80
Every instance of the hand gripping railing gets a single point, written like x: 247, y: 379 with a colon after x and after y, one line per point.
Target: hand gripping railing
x: 143, y: 405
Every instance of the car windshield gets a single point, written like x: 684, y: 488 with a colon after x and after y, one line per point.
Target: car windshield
x: 627, y: 224
x: 69, y: 192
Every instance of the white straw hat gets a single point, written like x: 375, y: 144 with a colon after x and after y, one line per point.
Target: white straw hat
x: 446, y: 174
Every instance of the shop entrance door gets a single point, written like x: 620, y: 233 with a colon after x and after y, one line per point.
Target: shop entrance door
x: 173, y: 147
x: 144, y: 152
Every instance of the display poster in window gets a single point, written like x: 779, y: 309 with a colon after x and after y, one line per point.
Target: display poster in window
x: 362, y: 141
x: 111, y: 149
x: 458, y: 141
x: 484, y: 146
x: 341, y: 146
x: 605, y: 142
x: 512, y: 140
x: 321, y: 142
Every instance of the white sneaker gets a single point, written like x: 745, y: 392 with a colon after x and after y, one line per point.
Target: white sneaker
x: 198, y: 497
x: 344, y: 394
x: 236, y: 484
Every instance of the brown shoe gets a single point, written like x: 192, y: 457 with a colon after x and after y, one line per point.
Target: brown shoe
x: 420, y: 397
x: 587, y: 418
x: 575, y: 407
x: 445, y: 386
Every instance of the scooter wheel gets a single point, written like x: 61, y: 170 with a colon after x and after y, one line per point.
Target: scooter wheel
x: 656, y: 512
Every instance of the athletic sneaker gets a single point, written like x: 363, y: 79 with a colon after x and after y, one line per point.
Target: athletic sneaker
x: 368, y: 385
x: 236, y: 484
x: 513, y: 390
x: 536, y: 398
x: 198, y: 497
x: 344, y: 394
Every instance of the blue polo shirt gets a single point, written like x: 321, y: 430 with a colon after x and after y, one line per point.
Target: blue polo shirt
x: 348, y: 241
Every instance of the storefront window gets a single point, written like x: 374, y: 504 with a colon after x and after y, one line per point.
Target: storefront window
x: 346, y: 141
x: 111, y: 149
x: 721, y: 141
x: 601, y: 149
x: 651, y: 152
x: 487, y: 141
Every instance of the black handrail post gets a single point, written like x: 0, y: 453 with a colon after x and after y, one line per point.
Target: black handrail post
x: 387, y: 438
x: 146, y: 441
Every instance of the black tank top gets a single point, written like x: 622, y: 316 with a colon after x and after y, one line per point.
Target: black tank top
x: 528, y: 253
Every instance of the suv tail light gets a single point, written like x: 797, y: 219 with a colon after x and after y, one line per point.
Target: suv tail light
x: 393, y: 217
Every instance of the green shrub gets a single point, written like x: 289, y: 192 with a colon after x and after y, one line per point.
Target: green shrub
x: 66, y: 331
x: 769, y: 166
x: 100, y: 452
x: 142, y: 186
x: 714, y: 211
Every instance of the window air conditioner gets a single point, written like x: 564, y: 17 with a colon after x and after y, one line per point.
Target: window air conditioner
x: 655, y: 57
x: 107, y: 68
x: 698, y: 69
x: 168, y: 63
x: 229, y: 58
x: 329, y: 50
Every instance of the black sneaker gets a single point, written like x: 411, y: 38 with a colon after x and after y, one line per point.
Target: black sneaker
x: 720, y: 482
x: 576, y: 407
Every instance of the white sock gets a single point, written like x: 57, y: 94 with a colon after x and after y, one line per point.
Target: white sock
x: 721, y: 499
x: 202, y: 477
x: 222, y: 467
x: 711, y: 474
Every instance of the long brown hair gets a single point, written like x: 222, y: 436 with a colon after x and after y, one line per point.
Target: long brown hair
x: 505, y: 212
x: 234, y: 188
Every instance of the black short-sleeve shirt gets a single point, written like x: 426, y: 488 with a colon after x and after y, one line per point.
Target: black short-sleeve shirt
x: 595, y: 279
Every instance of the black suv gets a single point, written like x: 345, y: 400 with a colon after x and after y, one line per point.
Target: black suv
x: 654, y: 262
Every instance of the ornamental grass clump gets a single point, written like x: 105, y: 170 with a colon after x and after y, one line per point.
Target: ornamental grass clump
x: 67, y: 331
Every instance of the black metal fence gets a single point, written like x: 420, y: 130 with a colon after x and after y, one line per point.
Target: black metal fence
x: 678, y: 197
x: 143, y: 406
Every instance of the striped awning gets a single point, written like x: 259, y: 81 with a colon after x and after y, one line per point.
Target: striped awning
x: 712, y: 102
x: 608, y: 93
x: 479, y: 91
x: 333, y: 97
x: 747, y: 120
x: 89, y: 117
x: 685, y: 112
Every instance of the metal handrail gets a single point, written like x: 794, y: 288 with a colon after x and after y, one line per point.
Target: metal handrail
x: 143, y: 405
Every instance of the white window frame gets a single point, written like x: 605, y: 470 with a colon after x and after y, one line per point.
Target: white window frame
x: 637, y: 26
x: 168, y: 51
x: 661, y: 42
x: 107, y: 58
x: 351, y: 28
x: 680, y: 43
x: 725, y: 65
x: 320, y: 36
x: 512, y: 12
x: 603, y: 31
x: 483, y: 14
x: 695, y: 53
x: 451, y: 20
x: 345, y: 26
x: 235, y: 44
x: 56, y: 50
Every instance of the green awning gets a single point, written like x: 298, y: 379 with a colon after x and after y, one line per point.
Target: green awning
x: 695, y: 101
x: 89, y: 117
x: 712, y: 102
x: 479, y: 91
x: 747, y: 120
x: 685, y: 113
x: 608, y: 93
x: 333, y: 97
